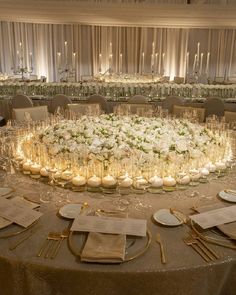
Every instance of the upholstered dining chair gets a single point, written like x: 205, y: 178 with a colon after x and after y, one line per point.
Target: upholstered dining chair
x: 184, y: 111
x: 138, y: 99
x: 170, y: 101
x: 214, y: 106
x: 34, y: 113
x: 59, y: 100
x: 96, y: 98
x: 21, y: 101
x: 140, y: 109
x: 80, y: 109
x: 230, y: 117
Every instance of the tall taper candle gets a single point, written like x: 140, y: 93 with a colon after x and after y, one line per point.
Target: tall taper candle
x: 121, y: 63
x: 152, y: 62
x: 142, y: 63
x: 100, y: 63
x: 201, y: 61
x: 207, y: 64
x: 187, y: 62
x: 198, y: 52
x: 66, y: 52
x: 194, y: 63
x: 156, y: 62
x: 30, y: 60
x: 163, y: 62
x: 73, y: 59
x: 59, y: 60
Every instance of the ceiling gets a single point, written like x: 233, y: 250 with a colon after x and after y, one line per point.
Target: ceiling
x: 117, y: 14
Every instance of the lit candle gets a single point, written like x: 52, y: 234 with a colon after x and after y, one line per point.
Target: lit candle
x: 156, y: 181
x: 59, y: 60
x: 66, y: 52
x: 125, y: 181
x: 156, y: 62
x: 220, y: 166
x: 66, y: 175
x: 183, y: 178
x: 198, y: 52
x: 169, y: 181
x: 201, y: 61
x: 110, y: 61
x: 94, y: 181
x: 26, y: 166
x: 163, y: 62
x: 187, y: 62
x: 141, y: 182
x: 194, y: 63
x: 195, y: 174
x: 44, y: 172
x: 211, y: 167
x: 100, y: 63
x: 121, y: 63
x: 204, y: 171
x: 78, y: 180
x: 31, y: 60
x: 110, y: 52
x: 142, y: 63
x: 73, y: 59
x: 152, y: 62
x: 207, y: 64
x: 108, y: 181
x: 35, y: 168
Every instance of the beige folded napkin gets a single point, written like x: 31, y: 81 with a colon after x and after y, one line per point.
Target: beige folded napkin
x: 229, y: 229
x: 105, y: 248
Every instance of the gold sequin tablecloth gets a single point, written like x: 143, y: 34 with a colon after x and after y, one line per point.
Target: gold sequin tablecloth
x: 22, y: 273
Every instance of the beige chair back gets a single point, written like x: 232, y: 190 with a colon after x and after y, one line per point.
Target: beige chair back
x: 80, y: 109
x: 96, y: 98
x: 179, y: 80
x: 140, y: 109
x: 214, y: 106
x: 59, y: 100
x: 189, y: 112
x: 35, y: 114
x: 170, y: 101
x: 138, y: 99
x: 21, y: 101
x: 230, y: 117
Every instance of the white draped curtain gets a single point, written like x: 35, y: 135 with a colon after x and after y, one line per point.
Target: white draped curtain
x: 136, y: 44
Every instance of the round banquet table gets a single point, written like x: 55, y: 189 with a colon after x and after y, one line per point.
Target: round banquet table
x: 185, y: 273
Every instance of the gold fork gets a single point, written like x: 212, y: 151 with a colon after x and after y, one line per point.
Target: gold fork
x: 193, y: 243
x: 52, y: 236
x: 159, y: 241
x: 64, y: 235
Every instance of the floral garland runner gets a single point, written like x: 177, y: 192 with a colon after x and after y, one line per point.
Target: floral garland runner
x: 113, y: 149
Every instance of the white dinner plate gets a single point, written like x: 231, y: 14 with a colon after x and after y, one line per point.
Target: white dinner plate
x: 227, y: 196
x: 6, y: 191
x: 164, y: 217
x: 70, y: 210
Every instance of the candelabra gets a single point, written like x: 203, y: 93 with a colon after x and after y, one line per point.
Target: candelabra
x: 22, y: 68
x: 67, y: 71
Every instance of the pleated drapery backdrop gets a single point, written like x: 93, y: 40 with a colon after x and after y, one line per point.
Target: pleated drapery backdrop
x: 169, y: 47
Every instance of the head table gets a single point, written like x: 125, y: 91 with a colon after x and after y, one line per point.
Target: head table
x: 22, y: 273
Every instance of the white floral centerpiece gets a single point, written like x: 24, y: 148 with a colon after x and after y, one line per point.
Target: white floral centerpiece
x: 127, y: 144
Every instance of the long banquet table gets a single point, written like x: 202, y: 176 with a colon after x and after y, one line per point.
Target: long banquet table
x: 185, y: 273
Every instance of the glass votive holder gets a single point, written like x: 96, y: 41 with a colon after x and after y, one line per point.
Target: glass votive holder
x: 183, y: 180
x: 78, y: 183
x: 94, y: 183
x: 140, y: 184
x: 125, y: 183
x: 109, y: 184
x: 169, y: 183
x: 220, y: 168
x: 35, y: 171
x: 204, y: 175
x: 195, y: 175
x: 26, y: 167
x: 155, y: 185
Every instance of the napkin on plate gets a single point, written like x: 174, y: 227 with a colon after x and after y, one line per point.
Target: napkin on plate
x: 105, y: 248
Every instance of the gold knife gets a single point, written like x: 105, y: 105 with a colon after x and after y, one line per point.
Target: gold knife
x: 159, y: 241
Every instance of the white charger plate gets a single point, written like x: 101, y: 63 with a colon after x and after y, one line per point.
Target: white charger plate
x: 164, y: 217
x: 6, y: 191
x: 70, y: 211
x: 227, y: 196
